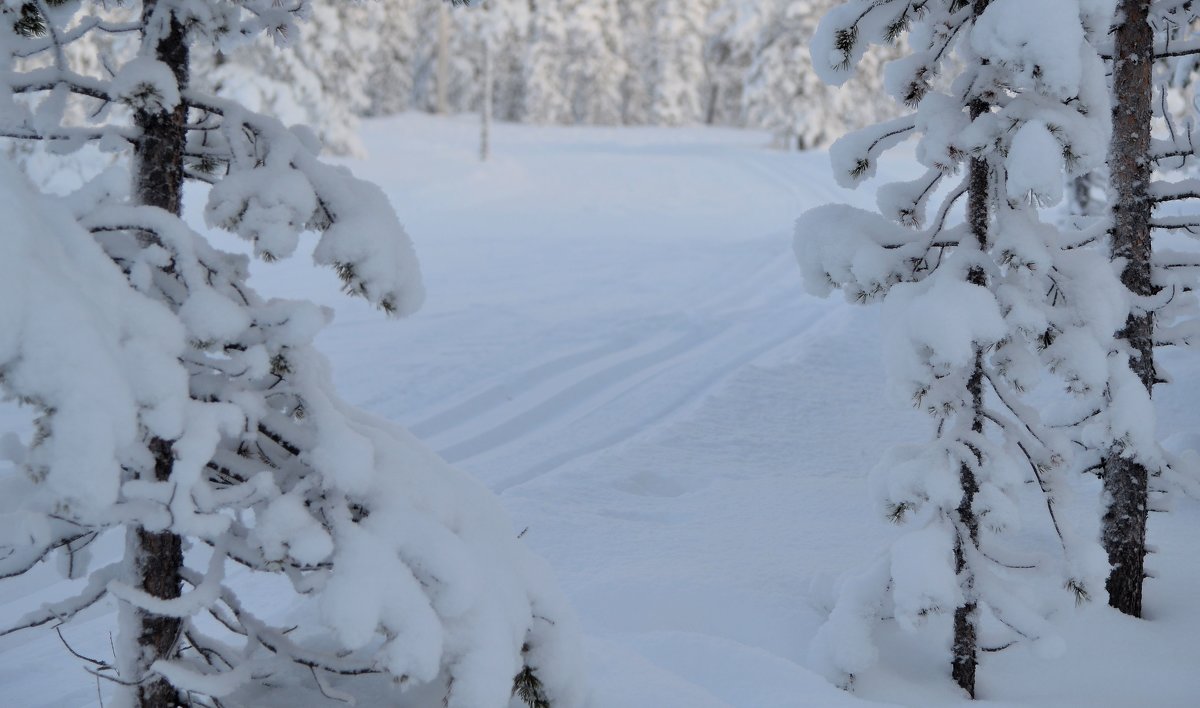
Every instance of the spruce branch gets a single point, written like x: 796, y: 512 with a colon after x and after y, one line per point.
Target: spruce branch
x: 528, y: 687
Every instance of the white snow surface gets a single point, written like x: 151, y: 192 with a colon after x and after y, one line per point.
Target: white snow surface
x: 616, y: 340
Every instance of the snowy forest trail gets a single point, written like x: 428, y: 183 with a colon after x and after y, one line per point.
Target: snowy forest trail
x: 653, y: 388
x: 636, y: 372
x: 616, y: 340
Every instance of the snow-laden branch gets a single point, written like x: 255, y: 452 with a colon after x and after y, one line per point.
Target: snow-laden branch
x: 63, y: 610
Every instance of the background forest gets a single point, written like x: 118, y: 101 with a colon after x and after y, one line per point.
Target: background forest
x: 740, y: 63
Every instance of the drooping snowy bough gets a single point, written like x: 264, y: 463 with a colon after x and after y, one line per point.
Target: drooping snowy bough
x: 176, y: 405
x: 987, y: 301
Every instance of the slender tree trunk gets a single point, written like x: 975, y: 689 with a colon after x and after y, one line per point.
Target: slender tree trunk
x: 1125, y: 480
x: 154, y: 561
x: 965, y: 650
x: 443, y: 59
x: 965, y: 657
x: 156, y: 558
x: 485, y: 146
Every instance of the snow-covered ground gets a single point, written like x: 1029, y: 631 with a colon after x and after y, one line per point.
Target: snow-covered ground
x: 616, y: 341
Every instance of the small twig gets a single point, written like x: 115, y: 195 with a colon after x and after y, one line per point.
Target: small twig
x: 114, y: 679
x: 324, y: 689
x: 77, y: 655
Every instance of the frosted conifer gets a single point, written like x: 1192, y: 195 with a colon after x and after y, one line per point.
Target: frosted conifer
x: 977, y: 310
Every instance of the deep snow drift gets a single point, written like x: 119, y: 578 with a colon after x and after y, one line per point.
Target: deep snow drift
x: 616, y: 340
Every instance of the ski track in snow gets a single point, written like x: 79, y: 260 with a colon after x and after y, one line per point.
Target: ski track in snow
x: 538, y: 403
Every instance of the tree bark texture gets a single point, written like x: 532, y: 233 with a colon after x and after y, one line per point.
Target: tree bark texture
x: 965, y: 649
x: 965, y: 658
x: 157, y: 557
x: 1125, y: 480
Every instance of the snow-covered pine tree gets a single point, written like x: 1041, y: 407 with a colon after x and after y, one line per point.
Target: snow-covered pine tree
x: 783, y: 94
x: 638, y: 48
x: 432, y: 63
x: 731, y: 37
x: 404, y: 72
x: 678, y: 76
x: 507, y: 26
x: 543, y: 90
x: 593, y: 66
x: 465, y: 62
x: 976, y: 310
x: 442, y: 61
x: 318, y: 78
x: 390, y: 83
x: 176, y: 406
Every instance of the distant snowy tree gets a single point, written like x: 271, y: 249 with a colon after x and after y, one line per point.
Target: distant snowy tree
x: 544, y: 91
x: 593, y: 66
x: 508, y: 29
x: 732, y: 34
x: 176, y: 406
x: 455, y: 68
x: 677, y: 72
x: 432, y: 64
x: 977, y: 312
x: 638, y: 47
x: 785, y: 95
x: 390, y: 67
x: 319, y: 78
x: 504, y: 22
x: 464, y: 86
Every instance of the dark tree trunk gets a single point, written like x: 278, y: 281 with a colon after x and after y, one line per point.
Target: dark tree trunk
x: 157, y: 558
x: 965, y: 657
x: 158, y: 154
x: 1082, y: 201
x: 1125, y: 481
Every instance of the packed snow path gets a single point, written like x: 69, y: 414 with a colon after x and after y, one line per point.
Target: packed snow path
x: 615, y: 339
